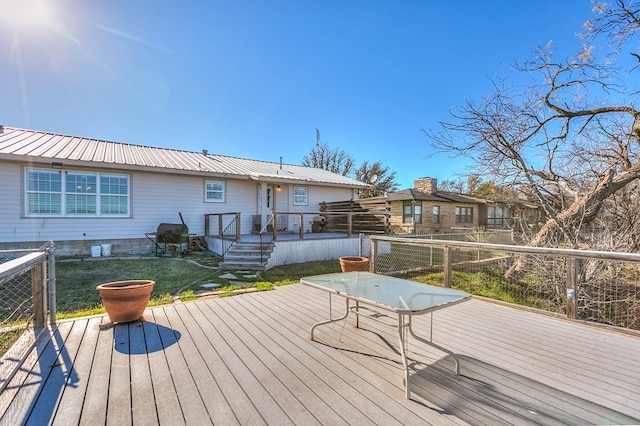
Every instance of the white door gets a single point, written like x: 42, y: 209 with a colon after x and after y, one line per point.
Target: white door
x: 265, y: 204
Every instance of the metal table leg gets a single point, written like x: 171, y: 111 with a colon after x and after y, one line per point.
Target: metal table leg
x: 404, y: 326
x: 430, y: 343
x: 402, y: 335
x: 330, y: 320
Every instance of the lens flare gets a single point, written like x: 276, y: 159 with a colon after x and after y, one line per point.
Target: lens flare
x: 26, y: 12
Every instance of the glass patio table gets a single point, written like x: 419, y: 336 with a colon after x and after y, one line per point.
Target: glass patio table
x: 402, y: 297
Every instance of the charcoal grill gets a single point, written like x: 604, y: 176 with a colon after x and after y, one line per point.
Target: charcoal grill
x: 170, y: 238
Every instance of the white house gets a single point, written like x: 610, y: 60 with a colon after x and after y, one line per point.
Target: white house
x: 79, y: 191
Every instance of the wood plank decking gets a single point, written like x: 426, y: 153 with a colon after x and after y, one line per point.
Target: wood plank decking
x: 249, y: 360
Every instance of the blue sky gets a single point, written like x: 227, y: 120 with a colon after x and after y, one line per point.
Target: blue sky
x: 255, y: 79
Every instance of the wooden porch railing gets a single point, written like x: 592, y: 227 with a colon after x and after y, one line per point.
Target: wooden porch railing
x: 349, y: 226
x: 222, y: 230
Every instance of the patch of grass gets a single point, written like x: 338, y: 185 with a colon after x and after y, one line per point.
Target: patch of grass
x: 264, y: 286
x: 98, y: 310
x: 491, y: 284
x: 290, y: 274
x: 76, y: 281
x: 185, y: 296
x: 8, y: 338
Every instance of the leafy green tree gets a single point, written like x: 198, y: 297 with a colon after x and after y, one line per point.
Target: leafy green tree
x: 379, y: 177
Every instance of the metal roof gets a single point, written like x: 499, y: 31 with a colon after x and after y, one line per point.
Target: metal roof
x: 37, y: 146
x: 439, y: 196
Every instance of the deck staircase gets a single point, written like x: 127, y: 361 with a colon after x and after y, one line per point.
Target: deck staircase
x: 247, y: 255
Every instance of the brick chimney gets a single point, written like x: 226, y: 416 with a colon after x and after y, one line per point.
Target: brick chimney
x: 426, y: 184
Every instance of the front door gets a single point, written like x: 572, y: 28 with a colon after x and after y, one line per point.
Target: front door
x: 266, y: 203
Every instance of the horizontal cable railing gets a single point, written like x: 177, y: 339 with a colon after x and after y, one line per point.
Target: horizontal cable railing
x: 593, y: 286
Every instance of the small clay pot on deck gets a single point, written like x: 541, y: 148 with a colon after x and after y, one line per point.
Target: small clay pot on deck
x: 353, y: 263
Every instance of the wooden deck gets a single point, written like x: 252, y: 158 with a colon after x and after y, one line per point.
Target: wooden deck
x: 249, y: 360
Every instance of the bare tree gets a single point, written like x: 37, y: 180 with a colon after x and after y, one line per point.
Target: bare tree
x: 378, y: 176
x: 322, y: 156
x: 474, y: 184
x: 571, y: 137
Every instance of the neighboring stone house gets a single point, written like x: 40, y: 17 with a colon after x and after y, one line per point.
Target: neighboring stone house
x: 424, y: 209
x: 504, y: 212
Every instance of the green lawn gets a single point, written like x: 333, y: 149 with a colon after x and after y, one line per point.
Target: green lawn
x: 76, y: 279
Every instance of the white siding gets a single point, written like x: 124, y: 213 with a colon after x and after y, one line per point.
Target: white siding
x: 155, y: 198
x: 291, y: 252
x: 316, y: 195
x: 241, y: 196
x: 10, y: 203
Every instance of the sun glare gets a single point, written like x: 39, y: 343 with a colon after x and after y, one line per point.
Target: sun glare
x: 26, y: 12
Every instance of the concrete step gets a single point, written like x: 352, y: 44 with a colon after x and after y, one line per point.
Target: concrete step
x: 238, y: 265
x: 247, y: 256
x: 247, y: 253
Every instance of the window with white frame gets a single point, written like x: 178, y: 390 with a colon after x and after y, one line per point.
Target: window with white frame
x: 214, y: 191
x: 43, y: 190
x: 300, y: 196
x: 114, y: 194
x: 75, y: 193
x: 81, y: 193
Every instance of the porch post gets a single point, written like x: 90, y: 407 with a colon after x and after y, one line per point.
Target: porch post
x: 263, y: 205
x: 273, y: 225
x: 238, y: 227
x: 301, y: 227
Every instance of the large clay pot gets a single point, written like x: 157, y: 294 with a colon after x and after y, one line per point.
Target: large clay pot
x: 353, y: 263
x: 126, y: 300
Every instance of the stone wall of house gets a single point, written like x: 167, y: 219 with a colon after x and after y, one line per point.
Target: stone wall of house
x: 447, y: 218
x: 427, y: 185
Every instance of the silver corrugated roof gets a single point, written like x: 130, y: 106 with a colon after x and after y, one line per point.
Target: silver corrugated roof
x: 19, y: 143
x: 439, y: 196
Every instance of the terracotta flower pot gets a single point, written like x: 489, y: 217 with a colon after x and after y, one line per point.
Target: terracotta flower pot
x: 353, y: 263
x: 126, y: 300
